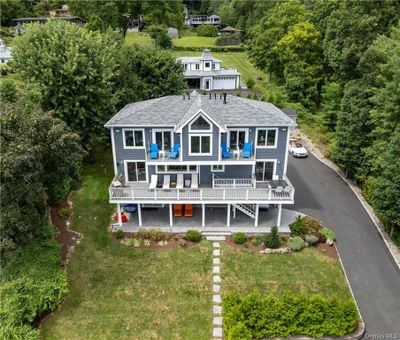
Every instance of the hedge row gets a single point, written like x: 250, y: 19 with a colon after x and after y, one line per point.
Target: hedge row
x: 211, y: 48
x: 33, y: 282
x: 256, y: 317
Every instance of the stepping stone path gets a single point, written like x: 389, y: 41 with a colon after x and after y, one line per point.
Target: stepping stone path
x: 217, y: 308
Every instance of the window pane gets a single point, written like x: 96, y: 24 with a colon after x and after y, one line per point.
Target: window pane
x: 271, y: 137
x: 132, y: 172
x: 259, y: 171
x: 129, y: 138
x: 261, y: 137
x: 141, y: 171
x: 205, y: 144
x: 167, y: 140
x: 138, y: 138
x: 192, y: 167
x: 269, y: 170
x: 200, y: 124
x: 242, y: 138
x: 195, y: 144
x: 160, y: 168
x: 159, y: 139
x: 179, y: 168
x: 233, y: 140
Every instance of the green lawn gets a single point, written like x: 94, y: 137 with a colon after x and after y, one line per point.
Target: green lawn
x: 118, y: 292
x: 195, y: 41
x: 308, y: 271
x: 137, y: 38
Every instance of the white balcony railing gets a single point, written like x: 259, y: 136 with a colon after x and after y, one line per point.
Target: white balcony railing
x: 221, y: 183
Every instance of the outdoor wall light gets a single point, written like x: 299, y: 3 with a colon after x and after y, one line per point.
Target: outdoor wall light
x: 283, y: 129
x: 117, y: 130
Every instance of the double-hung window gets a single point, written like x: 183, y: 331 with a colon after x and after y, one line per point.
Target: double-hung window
x: 133, y: 139
x: 163, y: 138
x: 197, y: 66
x: 267, y: 138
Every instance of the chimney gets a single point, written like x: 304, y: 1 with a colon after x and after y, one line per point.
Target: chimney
x: 224, y: 98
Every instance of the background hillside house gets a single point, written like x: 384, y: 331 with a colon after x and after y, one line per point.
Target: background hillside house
x: 206, y: 73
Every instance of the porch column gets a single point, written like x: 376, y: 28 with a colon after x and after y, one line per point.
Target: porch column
x: 234, y: 211
x: 203, y: 215
x: 257, y: 213
x: 228, y: 215
x: 278, y: 223
x: 171, y: 216
x: 139, y: 210
x: 119, y: 215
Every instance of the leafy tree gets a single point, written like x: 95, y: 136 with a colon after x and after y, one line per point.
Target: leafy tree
x: 40, y: 163
x: 8, y: 91
x: 331, y: 96
x: 94, y: 23
x: 76, y: 71
x: 207, y: 31
x: 160, y: 37
x: 12, y: 9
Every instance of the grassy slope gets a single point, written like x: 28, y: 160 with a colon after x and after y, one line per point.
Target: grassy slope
x: 308, y: 272
x: 120, y: 292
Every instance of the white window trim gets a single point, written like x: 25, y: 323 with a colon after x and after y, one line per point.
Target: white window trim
x: 275, y: 161
x: 201, y: 131
x: 134, y: 147
x: 214, y: 170
x: 200, y: 135
x: 176, y: 171
x: 266, y: 138
x: 126, y: 161
x: 237, y: 129
x: 153, y: 136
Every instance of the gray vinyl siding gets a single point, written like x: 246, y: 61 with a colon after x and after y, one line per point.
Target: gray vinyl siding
x: 185, y: 146
x: 122, y: 154
x: 235, y: 171
x: 205, y: 175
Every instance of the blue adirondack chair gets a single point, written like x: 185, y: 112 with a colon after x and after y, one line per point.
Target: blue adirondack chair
x: 225, y: 151
x: 174, y: 151
x: 153, y: 151
x: 247, y: 150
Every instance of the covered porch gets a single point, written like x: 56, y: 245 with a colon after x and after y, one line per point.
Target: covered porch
x: 209, y: 218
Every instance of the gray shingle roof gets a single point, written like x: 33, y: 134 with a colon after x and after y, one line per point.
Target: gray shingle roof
x: 176, y: 111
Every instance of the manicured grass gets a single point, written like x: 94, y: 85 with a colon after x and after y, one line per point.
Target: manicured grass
x: 308, y: 271
x: 195, y: 41
x: 137, y: 38
x: 238, y: 60
x: 128, y: 293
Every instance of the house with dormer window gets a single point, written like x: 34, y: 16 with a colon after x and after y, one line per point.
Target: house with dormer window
x: 206, y: 73
x: 192, y: 157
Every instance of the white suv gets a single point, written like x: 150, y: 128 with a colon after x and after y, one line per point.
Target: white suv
x: 297, y: 149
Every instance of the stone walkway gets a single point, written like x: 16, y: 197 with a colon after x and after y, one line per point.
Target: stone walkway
x: 217, y: 307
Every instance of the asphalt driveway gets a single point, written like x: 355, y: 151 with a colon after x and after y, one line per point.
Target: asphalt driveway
x: 373, y: 276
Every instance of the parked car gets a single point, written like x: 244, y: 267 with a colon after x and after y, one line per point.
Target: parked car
x: 297, y: 149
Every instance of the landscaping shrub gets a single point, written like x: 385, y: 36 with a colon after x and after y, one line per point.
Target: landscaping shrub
x: 256, y: 240
x: 239, y: 238
x: 256, y: 317
x: 231, y: 39
x: 33, y: 281
x: 64, y: 213
x: 283, y: 239
x: 153, y: 234
x: 182, y: 243
x: 298, y: 228
x: 312, y: 239
x: 296, y: 243
x: 207, y: 31
x: 119, y: 234
x: 272, y: 239
x: 193, y: 235
x: 159, y: 35
x: 312, y: 224
x: 250, y: 83
x: 328, y: 233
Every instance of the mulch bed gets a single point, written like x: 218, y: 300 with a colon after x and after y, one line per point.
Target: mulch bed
x: 248, y: 245
x: 172, y: 243
x: 328, y: 250
x: 65, y: 237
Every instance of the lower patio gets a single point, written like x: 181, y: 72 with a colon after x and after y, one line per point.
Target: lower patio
x: 215, y: 218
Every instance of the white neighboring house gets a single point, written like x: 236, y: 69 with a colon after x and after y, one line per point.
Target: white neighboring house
x: 5, y: 53
x: 206, y: 73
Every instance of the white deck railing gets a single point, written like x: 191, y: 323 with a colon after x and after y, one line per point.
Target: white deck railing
x: 221, y: 183
x: 140, y: 194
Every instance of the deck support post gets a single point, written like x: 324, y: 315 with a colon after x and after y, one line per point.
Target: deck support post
x: 234, y: 211
x: 278, y: 223
x: 119, y: 214
x: 256, y: 213
x: 228, y: 215
x: 171, y: 216
x: 203, y: 215
x: 139, y: 210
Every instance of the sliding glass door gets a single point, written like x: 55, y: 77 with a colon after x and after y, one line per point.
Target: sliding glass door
x: 264, y: 171
x: 237, y: 138
x: 136, y: 171
x: 163, y: 139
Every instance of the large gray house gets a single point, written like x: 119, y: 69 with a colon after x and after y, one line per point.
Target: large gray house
x: 196, y: 155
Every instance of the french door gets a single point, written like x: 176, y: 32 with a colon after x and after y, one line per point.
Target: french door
x: 264, y: 171
x: 163, y: 139
x: 136, y: 171
x: 237, y: 138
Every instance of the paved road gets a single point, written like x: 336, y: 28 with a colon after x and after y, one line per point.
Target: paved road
x: 373, y: 276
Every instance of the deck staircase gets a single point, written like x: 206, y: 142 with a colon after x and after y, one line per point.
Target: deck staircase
x: 248, y: 209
